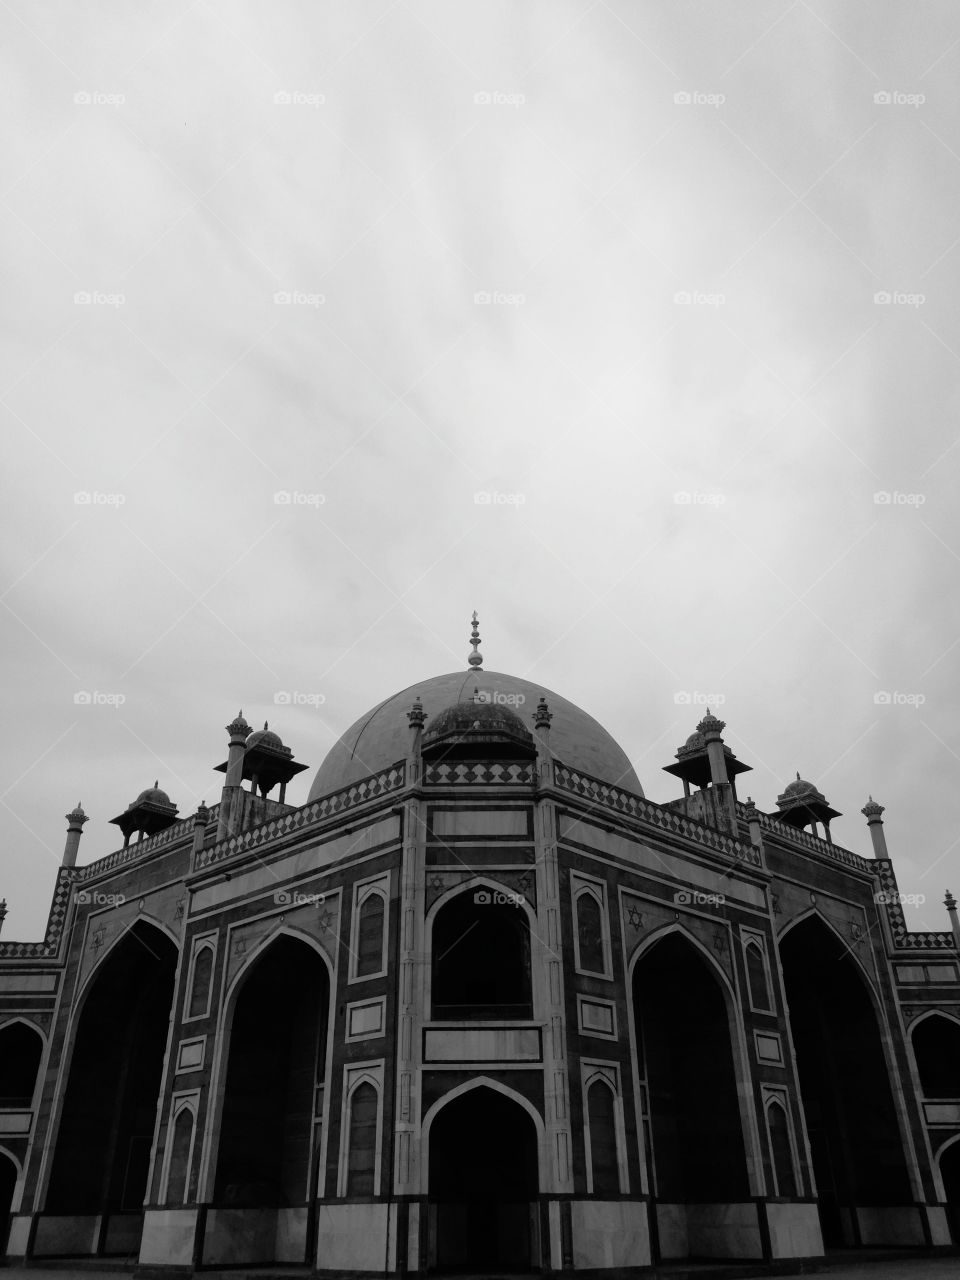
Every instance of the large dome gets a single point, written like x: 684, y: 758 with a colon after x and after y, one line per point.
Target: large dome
x: 382, y: 736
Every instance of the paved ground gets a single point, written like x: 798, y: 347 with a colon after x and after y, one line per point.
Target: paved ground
x: 905, y: 1269
x: 899, y: 1269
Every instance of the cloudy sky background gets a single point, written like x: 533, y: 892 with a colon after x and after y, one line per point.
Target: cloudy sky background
x: 681, y: 494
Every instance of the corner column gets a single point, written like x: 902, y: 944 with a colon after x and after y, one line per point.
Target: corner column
x: 547, y: 959
x: 411, y: 990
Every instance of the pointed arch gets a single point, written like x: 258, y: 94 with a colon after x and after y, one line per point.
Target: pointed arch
x: 144, y: 918
x: 275, y: 1028
x: 18, y: 1017
x: 279, y: 931
x: 692, y: 1067
x: 23, y: 1047
x: 603, y: 1136
x: 858, y: 1134
x: 496, y: 957
x: 482, y: 1210
x: 935, y: 1042
x: 940, y: 1151
x: 676, y: 926
x: 110, y: 1078
x: 852, y: 952
x: 478, y: 1082
x: 483, y: 880
x: 228, y: 1000
x: 930, y: 1013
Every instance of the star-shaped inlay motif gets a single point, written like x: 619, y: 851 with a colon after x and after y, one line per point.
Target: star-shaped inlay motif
x: 98, y: 936
x: 635, y: 918
x: 178, y: 913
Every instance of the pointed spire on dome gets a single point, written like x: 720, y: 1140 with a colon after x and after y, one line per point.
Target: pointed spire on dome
x: 476, y: 658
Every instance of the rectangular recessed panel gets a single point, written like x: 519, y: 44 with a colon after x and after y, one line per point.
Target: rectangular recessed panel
x: 941, y: 973
x: 942, y: 1112
x: 190, y: 1056
x: 596, y: 1017
x: 28, y: 982
x: 482, y: 1044
x: 365, y: 1019
x: 12, y: 1122
x: 768, y: 1048
x: 479, y: 822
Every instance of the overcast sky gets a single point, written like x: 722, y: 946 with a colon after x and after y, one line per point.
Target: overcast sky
x: 564, y: 312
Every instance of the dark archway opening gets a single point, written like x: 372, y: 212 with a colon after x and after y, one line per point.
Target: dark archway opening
x: 274, y: 1083
x: 950, y: 1172
x: 8, y: 1183
x: 855, y: 1140
x: 102, y: 1156
x: 21, y: 1048
x: 481, y: 959
x: 694, y: 1130
x: 484, y: 1185
x: 936, y: 1047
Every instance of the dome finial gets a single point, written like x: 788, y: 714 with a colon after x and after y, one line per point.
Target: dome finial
x: 476, y: 658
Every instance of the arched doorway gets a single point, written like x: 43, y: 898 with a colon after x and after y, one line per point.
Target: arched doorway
x: 936, y: 1047
x: 272, y: 1106
x: 855, y: 1140
x: 102, y: 1156
x: 481, y: 958
x: 693, y: 1126
x: 21, y: 1048
x: 950, y: 1172
x: 484, y: 1184
x: 8, y: 1184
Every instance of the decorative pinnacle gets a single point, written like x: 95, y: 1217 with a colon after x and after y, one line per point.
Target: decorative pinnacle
x: 202, y: 814
x: 710, y: 724
x: 750, y: 810
x: 238, y: 728
x: 476, y: 658
x: 78, y: 817
x: 950, y: 901
x: 542, y: 716
x: 871, y: 810
x: 416, y: 715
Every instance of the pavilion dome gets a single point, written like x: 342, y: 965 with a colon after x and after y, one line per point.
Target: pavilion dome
x: 799, y: 789
x: 152, y: 795
x: 473, y: 717
x: 265, y: 737
x: 381, y: 737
